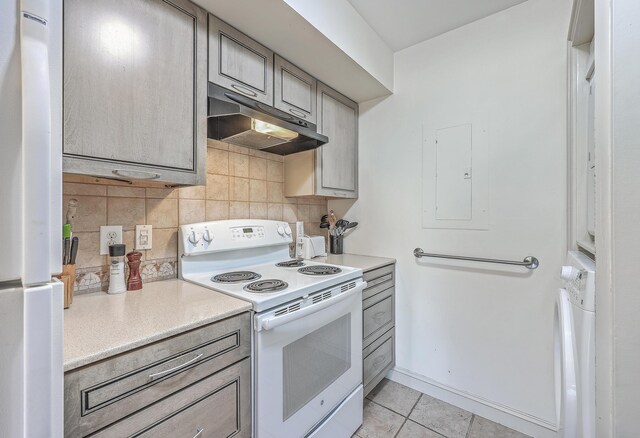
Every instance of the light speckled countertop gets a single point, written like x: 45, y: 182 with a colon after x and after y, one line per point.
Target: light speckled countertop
x: 98, y: 325
x: 365, y: 263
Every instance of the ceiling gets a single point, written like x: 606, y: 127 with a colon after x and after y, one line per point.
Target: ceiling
x: 403, y: 23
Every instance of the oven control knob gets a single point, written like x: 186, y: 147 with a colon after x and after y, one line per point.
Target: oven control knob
x: 207, y: 236
x: 193, y: 238
x: 281, y: 230
x: 287, y: 229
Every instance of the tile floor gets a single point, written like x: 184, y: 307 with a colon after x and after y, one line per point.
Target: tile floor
x: 393, y: 410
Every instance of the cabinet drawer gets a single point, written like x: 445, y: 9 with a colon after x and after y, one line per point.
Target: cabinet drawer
x: 295, y: 90
x: 100, y: 394
x: 378, y: 315
x: 239, y: 63
x: 379, y: 357
x: 216, y: 407
x: 378, y: 280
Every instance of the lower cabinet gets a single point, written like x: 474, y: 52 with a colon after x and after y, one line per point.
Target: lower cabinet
x: 378, y: 325
x: 194, y: 384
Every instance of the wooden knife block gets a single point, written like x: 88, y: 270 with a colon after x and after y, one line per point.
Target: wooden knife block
x: 68, y: 277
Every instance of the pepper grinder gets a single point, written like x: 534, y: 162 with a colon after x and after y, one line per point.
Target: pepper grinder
x: 116, y: 269
x: 134, y: 282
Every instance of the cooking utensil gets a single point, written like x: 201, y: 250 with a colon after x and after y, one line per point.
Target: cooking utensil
x: 351, y: 225
x: 74, y: 250
x: 324, y: 225
x: 332, y: 219
x: 67, y: 250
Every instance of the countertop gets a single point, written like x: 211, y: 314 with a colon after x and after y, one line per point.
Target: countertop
x: 365, y: 263
x: 98, y: 325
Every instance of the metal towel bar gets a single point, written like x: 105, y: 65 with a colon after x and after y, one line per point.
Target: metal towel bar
x: 529, y: 262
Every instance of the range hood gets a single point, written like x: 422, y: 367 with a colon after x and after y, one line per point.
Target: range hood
x: 236, y: 119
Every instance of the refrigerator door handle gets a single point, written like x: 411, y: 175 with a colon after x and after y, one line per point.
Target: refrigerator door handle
x: 36, y: 149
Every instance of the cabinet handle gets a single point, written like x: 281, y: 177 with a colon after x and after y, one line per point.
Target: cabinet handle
x: 136, y: 174
x: 378, y: 360
x: 162, y: 373
x: 378, y: 316
x: 244, y: 90
x: 297, y: 113
x: 200, y: 430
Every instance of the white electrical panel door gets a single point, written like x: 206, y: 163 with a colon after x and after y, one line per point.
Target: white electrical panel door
x: 453, y: 173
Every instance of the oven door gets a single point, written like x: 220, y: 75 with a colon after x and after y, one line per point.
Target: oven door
x: 306, y: 364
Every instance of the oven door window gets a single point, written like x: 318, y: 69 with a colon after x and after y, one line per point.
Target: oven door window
x: 312, y: 363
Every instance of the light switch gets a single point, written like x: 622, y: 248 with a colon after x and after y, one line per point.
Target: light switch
x: 144, y: 237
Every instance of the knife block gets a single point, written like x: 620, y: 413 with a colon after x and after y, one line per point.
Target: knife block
x: 68, y: 278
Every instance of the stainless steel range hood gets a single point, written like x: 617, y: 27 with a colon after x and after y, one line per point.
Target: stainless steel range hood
x: 234, y: 118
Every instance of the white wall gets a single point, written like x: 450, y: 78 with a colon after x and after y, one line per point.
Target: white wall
x: 483, y: 331
x: 342, y: 24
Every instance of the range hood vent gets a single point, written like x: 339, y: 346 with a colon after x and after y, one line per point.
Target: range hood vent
x: 236, y: 119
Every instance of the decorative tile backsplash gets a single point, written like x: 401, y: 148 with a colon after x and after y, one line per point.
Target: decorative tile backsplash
x: 241, y: 183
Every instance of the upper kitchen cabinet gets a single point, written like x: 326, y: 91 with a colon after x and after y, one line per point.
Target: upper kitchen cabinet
x: 332, y: 169
x: 239, y: 63
x: 295, y: 90
x: 135, y: 90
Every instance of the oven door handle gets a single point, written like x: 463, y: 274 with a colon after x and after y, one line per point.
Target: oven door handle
x: 277, y: 321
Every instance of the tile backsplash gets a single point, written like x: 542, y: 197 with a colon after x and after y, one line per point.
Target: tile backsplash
x: 241, y: 183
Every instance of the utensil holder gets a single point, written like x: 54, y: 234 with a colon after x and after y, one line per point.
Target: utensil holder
x: 68, y: 278
x: 336, y: 244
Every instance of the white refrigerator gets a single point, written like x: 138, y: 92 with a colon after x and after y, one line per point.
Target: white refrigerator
x: 31, y: 314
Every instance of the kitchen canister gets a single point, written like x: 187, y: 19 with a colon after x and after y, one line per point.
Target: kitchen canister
x: 336, y: 244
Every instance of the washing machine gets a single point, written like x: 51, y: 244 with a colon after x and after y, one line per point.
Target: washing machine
x: 575, y: 348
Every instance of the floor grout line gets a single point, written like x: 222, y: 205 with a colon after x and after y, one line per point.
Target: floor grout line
x: 406, y: 418
x: 473, y: 418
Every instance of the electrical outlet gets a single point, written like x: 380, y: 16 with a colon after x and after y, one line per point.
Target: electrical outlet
x: 144, y: 236
x: 109, y: 235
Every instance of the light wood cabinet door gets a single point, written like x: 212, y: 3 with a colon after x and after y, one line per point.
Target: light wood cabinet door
x: 337, y: 160
x: 295, y: 90
x: 135, y: 89
x: 239, y: 63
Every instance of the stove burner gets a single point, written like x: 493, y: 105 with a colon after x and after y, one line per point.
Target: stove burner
x: 265, y: 286
x: 295, y: 263
x: 236, y: 277
x: 319, y: 270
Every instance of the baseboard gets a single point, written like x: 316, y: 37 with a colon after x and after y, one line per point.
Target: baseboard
x: 520, y: 421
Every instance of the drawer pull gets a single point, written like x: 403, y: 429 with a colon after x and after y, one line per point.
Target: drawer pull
x: 162, y: 373
x: 380, y: 280
x: 198, y: 433
x: 244, y: 90
x: 136, y: 174
x: 378, y: 360
x: 378, y: 316
x: 297, y: 113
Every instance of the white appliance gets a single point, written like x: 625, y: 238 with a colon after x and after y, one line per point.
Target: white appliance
x: 31, y: 361
x: 575, y: 348
x: 313, y: 246
x: 307, y: 343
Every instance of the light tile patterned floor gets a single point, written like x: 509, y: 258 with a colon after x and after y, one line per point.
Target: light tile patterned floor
x: 392, y: 410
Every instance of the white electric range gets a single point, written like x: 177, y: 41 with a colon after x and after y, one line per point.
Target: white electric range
x: 307, y: 321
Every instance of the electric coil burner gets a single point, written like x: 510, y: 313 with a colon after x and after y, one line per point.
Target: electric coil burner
x: 320, y: 270
x: 265, y: 286
x: 290, y: 264
x: 236, y: 277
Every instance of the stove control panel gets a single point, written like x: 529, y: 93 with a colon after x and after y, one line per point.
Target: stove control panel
x: 247, y: 233
x: 229, y: 235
